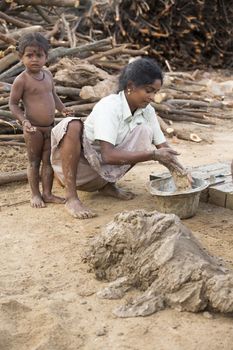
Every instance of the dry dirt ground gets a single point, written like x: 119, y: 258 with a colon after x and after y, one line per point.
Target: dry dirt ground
x: 48, y: 299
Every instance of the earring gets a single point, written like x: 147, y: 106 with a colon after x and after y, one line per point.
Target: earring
x: 128, y: 91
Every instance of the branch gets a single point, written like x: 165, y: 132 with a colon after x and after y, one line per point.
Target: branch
x: 12, y: 20
x: 59, y: 3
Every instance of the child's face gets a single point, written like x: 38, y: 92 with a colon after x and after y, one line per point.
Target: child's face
x: 33, y: 58
x: 141, y: 96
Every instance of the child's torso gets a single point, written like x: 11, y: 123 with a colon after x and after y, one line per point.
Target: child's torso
x: 38, y: 99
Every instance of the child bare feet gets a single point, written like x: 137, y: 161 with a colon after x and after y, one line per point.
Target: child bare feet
x: 78, y: 210
x: 37, y: 202
x: 53, y: 199
x: 112, y: 190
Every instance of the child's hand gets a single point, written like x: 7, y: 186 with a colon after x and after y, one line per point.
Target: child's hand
x: 67, y: 112
x: 27, y: 126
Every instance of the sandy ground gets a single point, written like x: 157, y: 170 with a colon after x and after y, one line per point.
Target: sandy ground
x: 48, y: 299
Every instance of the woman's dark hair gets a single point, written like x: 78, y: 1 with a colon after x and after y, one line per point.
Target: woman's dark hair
x: 33, y: 39
x: 142, y: 71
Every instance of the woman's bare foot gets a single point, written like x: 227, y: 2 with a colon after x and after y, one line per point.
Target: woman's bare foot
x: 37, y: 202
x: 78, y: 210
x: 53, y: 199
x: 112, y: 190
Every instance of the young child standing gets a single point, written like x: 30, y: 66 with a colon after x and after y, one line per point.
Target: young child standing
x: 35, y: 88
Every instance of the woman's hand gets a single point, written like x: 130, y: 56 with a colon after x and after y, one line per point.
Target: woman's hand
x: 167, y: 157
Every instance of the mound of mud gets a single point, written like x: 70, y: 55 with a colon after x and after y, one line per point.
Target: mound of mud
x: 158, y: 255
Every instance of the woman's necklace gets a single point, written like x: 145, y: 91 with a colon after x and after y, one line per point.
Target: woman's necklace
x: 38, y: 79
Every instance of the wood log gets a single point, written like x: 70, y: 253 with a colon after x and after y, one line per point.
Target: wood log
x: 62, y: 51
x: 195, y: 103
x: 185, y: 131
x: 67, y: 91
x: 4, y: 100
x: 43, y: 14
x: 18, y: 137
x: 13, y: 20
x: 167, y: 109
x: 109, y: 65
x: 187, y: 113
x: 79, y: 111
x: 8, y: 60
x: 12, y: 143
x: 180, y: 75
x: 169, y: 131
x: 59, y: 43
x: 8, y: 125
x: 58, y: 3
x: 14, y: 176
x: 123, y: 50
x: 13, y: 71
x: 114, y: 51
x: 117, y: 50
x: 6, y: 115
x: 83, y: 108
x: 180, y: 118
x: 173, y: 94
x: 5, y: 87
x: 184, y: 134
x: 29, y: 29
x: 7, y: 39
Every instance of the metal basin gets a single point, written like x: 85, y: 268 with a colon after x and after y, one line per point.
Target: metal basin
x: 168, y: 200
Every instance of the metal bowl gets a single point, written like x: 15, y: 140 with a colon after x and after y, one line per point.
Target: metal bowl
x: 168, y: 200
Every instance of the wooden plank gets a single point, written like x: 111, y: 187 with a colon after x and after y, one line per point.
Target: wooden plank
x: 14, y: 176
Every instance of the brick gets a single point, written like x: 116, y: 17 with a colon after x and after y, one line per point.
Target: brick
x: 229, y: 201
x: 221, y: 194
x: 217, y: 197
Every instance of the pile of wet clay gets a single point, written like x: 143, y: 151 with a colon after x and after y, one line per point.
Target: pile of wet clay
x: 181, y: 180
x: 156, y: 254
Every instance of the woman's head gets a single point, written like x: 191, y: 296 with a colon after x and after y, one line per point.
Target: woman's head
x: 33, y: 39
x: 140, y: 80
x: 142, y: 71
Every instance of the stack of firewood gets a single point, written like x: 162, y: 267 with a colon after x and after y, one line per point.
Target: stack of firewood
x: 85, y: 65
x: 188, y: 33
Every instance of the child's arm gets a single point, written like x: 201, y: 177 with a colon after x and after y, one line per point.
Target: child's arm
x: 15, y: 97
x: 66, y: 111
x: 58, y: 103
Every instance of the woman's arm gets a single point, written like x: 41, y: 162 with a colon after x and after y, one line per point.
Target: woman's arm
x: 170, y: 167
x: 111, y: 155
